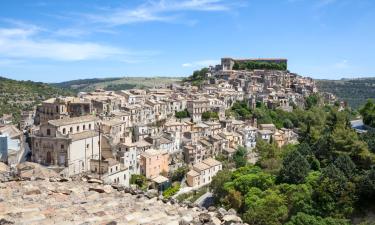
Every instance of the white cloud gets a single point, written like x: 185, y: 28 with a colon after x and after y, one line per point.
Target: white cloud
x: 24, y: 43
x: 161, y: 11
x: 201, y: 63
x: 20, y: 43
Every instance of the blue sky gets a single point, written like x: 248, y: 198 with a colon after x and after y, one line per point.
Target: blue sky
x: 56, y: 40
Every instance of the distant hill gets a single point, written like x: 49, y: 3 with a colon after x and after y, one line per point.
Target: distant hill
x: 354, y: 91
x: 119, y: 83
x: 16, y: 96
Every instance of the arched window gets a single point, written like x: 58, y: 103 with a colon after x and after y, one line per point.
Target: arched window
x: 64, y: 130
x: 90, y: 126
x: 57, y: 108
x: 77, y: 128
x: 71, y: 130
x: 84, y: 127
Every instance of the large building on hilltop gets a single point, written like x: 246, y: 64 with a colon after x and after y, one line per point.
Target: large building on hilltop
x: 228, y: 63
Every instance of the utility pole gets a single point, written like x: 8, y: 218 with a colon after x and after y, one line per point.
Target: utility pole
x: 100, y: 155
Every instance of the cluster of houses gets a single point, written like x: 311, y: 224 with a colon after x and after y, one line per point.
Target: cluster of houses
x: 117, y: 134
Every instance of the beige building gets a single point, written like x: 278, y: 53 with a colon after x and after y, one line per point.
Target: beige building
x: 68, y: 143
x: 154, y: 162
x: 202, y: 172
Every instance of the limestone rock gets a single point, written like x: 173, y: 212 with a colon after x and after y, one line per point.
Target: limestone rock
x: 229, y: 219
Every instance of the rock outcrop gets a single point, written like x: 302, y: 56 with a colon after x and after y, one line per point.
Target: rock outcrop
x: 28, y: 198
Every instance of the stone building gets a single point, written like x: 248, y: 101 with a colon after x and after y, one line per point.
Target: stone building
x: 68, y: 143
x: 202, y: 173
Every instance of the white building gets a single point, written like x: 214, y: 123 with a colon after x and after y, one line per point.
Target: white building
x: 111, y: 171
x: 68, y: 143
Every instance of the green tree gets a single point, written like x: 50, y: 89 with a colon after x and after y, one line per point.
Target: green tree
x: 305, y: 219
x: 234, y: 199
x: 179, y: 174
x: 295, y: 168
x: 269, y: 156
x: 298, y: 197
x: 346, y: 165
x: 260, y: 180
x: 217, y: 184
x: 240, y: 157
x: 368, y: 113
x: 182, y: 114
x: 367, y: 186
x: 335, y: 194
x: 139, y: 180
x: 267, y: 209
x: 210, y: 115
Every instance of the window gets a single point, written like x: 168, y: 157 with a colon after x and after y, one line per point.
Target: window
x: 77, y: 128
x: 71, y: 130
x: 90, y: 126
x: 88, y: 146
x: 62, y: 146
x: 64, y: 130
x: 111, y: 170
x: 124, y: 176
x: 84, y: 127
x: 48, y: 132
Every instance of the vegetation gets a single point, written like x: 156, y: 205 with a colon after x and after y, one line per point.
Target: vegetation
x: 139, y: 180
x: 368, y: 113
x: 353, y: 91
x: 240, y: 157
x: 116, y: 83
x: 328, y: 178
x: 259, y: 65
x: 210, y: 115
x: 182, y: 114
x: 179, y: 174
x: 18, y: 96
x: 118, y: 87
x: 198, y: 77
x: 171, y: 191
x: 192, y: 196
x: 263, y: 114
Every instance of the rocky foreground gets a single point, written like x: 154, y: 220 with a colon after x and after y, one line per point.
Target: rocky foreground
x: 61, y: 201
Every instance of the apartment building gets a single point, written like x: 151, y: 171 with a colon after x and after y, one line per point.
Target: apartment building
x: 201, y: 174
x: 153, y: 163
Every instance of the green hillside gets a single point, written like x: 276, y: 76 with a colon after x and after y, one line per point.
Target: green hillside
x: 120, y: 83
x: 16, y: 96
x: 354, y: 91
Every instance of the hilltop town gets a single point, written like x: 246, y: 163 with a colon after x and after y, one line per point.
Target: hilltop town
x: 162, y: 145
x: 154, y: 132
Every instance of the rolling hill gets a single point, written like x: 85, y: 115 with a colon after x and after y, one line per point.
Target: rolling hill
x: 354, y: 91
x: 16, y: 96
x: 120, y: 83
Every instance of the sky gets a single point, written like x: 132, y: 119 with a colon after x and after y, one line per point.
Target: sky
x: 54, y: 41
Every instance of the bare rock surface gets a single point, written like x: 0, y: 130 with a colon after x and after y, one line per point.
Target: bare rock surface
x: 37, y: 195
x: 30, y: 170
x: 77, y: 202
